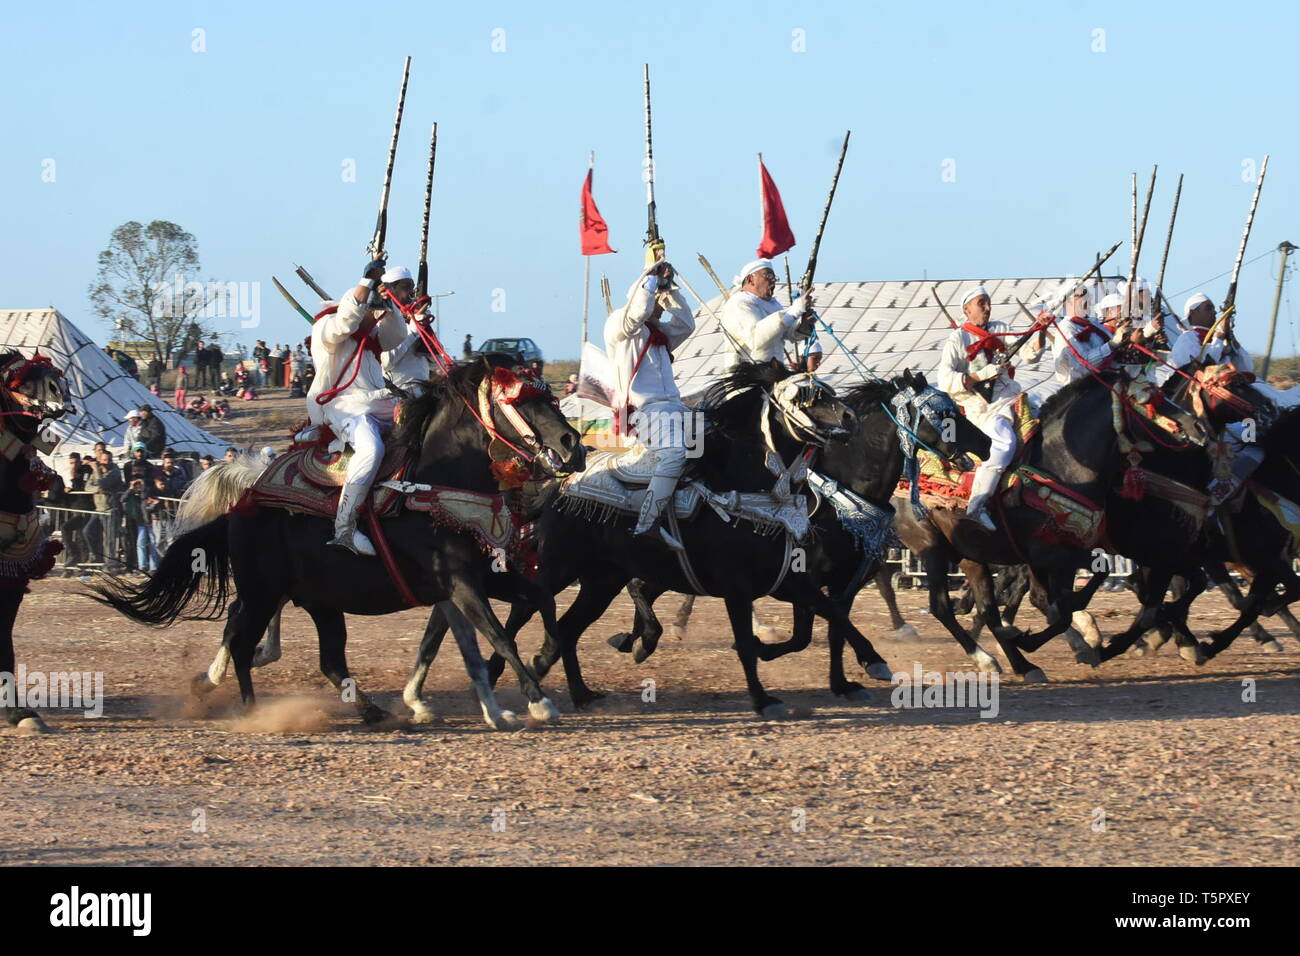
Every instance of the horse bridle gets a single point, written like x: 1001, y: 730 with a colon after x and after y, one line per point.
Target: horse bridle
x: 791, y: 397
x: 502, y: 390
x: 932, y: 405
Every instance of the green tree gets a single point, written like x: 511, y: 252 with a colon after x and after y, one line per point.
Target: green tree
x: 146, y: 285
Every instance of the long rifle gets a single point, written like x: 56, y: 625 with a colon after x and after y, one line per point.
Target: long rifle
x: 805, y: 285
x: 376, y: 247
x: 1164, y: 260
x: 604, y: 291
x: 652, y: 225
x: 1142, y: 231
x: 293, y: 302
x: 422, y: 277
x: 943, y: 308
x: 1230, y: 300
x: 305, y: 276
x: 726, y: 293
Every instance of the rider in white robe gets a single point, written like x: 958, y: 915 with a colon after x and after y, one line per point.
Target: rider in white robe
x: 349, y: 393
x: 964, y: 364
x: 639, y: 339
x: 756, y: 322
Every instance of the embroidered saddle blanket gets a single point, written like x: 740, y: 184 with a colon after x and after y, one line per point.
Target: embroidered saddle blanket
x: 308, y: 481
x: 611, y: 485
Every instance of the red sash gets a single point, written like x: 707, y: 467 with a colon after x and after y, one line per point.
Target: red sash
x: 985, y: 341
x: 1087, y: 330
x: 657, y: 337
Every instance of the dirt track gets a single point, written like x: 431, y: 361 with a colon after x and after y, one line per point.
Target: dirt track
x: 1183, y: 770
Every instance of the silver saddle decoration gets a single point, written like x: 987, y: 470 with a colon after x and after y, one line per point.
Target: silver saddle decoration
x: 602, y: 490
x: 870, y: 525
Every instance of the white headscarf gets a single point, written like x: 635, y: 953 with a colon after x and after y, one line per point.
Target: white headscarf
x: 974, y: 293
x: 395, y: 274
x: 758, y: 265
x: 1200, y: 298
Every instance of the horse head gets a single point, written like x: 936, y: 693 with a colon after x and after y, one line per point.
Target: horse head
x: 928, y: 417
x: 33, y: 387
x: 1219, y: 395
x: 526, y: 415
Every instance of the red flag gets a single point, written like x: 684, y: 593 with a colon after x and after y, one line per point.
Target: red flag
x: 595, y: 234
x: 777, y: 237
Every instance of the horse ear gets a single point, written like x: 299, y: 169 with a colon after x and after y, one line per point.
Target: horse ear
x: 919, y: 382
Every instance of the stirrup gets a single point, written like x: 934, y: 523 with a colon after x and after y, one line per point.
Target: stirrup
x: 981, y: 518
x: 350, y: 539
x: 658, y: 534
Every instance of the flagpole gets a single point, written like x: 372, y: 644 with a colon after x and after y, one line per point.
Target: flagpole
x: 586, y: 273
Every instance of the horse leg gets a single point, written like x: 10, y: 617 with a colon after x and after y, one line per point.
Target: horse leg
x: 467, y: 641
x: 936, y: 575
x: 1266, y: 641
x: 1064, y: 601
x: 651, y: 630
x: 1152, y: 586
x: 840, y: 685
x: 243, y: 631
x: 594, y: 596
x: 739, y: 611
x: 1261, y: 588
x: 268, y: 652
x: 683, y: 619
x: 520, y: 614
x: 434, y: 631
x: 474, y: 605
x: 23, y: 718
x: 902, y: 630
x: 980, y: 581
x: 332, y: 635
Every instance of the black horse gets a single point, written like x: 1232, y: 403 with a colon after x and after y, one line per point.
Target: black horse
x: 906, y: 411
x: 31, y: 392
x: 273, y: 554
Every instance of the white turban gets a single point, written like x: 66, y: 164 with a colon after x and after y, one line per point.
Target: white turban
x: 1112, y: 301
x: 1199, y: 298
x: 974, y: 293
x: 395, y: 274
x: 815, y: 348
x: 130, y: 415
x: 758, y: 265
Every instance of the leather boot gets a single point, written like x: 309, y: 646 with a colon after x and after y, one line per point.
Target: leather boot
x: 346, y: 535
x: 986, y: 481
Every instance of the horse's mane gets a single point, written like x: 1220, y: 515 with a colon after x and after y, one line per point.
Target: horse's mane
x: 721, y: 403
x: 440, y: 392
x: 859, y: 397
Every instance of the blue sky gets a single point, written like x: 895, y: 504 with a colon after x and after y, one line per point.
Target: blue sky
x: 243, y: 144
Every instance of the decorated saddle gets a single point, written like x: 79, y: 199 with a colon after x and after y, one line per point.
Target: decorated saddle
x: 308, y: 480
x: 613, y: 484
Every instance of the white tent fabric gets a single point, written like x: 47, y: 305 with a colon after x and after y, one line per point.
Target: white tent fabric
x: 887, y: 326
x: 100, y: 391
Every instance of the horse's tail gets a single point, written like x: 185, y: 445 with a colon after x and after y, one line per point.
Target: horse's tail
x: 196, y: 568
x: 217, y: 490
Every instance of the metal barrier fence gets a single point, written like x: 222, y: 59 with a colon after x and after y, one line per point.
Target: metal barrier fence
x: 98, y: 541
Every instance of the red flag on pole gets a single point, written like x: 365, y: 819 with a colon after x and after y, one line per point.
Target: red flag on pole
x: 777, y: 237
x: 595, y: 234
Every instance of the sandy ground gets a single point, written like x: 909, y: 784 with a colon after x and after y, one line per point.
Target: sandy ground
x: 1147, y: 761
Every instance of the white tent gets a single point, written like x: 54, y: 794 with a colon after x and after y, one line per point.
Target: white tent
x: 101, y: 392
x: 887, y: 326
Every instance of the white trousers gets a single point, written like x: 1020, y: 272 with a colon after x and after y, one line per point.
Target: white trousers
x: 1003, y: 438
x: 363, y: 433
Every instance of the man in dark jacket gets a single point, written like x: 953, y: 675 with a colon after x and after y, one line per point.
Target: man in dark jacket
x: 152, y: 432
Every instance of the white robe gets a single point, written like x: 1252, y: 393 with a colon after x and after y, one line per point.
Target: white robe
x: 626, y: 334
x: 1095, y: 350
x: 953, y: 364
x: 1188, y: 348
x: 334, y: 353
x: 406, y: 366
x: 760, y: 326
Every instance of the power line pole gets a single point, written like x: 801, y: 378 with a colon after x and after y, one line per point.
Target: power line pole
x: 1286, y: 249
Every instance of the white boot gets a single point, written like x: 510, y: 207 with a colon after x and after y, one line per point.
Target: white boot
x: 986, y: 480
x: 346, y: 535
x: 658, y: 495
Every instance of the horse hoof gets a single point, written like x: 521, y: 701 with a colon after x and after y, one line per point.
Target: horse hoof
x: 201, y: 685
x: 505, y: 720
x: 374, y: 716
x: 1035, y: 676
x: 584, y: 699
x: 32, y: 725
x: 775, y: 711
x: 1087, y: 656
x: 1140, y: 648
x: 261, y: 657
x: 880, y: 671
x: 1271, y: 646
x: 676, y: 632
x: 621, y: 642
x: 905, y: 633
x: 986, y: 662
x: 543, y: 711
x: 767, y: 634
x: 641, y: 651
x: 1192, y: 653
x: 423, y: 715
x: 857, y: 694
